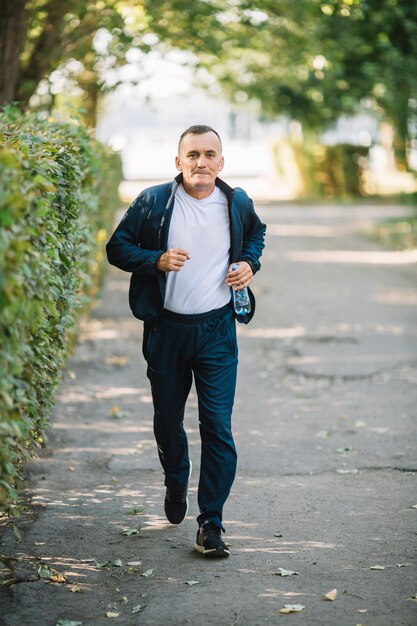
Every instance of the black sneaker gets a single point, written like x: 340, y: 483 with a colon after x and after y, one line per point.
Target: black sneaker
x: 176, y: 504
x: 209, y: 541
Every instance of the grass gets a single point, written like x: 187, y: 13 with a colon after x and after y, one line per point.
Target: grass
x: 397, y: 234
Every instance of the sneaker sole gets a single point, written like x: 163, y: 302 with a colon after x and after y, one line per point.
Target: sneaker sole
x: 213, y: 553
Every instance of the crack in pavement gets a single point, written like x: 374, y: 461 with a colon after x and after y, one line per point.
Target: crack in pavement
x: 351, y: 471
x: 292, y: 370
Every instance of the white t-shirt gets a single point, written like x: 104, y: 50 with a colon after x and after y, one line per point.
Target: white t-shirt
x: 202, y: 228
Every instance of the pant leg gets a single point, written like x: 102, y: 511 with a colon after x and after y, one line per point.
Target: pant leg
x: 215, y: 371
x: 169, y: 372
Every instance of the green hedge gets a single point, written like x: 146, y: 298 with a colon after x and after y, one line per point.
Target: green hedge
x: 329, y: 171
x: 58, y: 194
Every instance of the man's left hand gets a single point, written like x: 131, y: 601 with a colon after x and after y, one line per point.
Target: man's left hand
x: 241, y: 277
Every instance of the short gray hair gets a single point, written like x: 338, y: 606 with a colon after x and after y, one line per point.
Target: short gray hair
x: 198, y: 129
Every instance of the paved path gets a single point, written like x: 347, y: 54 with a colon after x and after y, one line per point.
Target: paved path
x: 325, y: 428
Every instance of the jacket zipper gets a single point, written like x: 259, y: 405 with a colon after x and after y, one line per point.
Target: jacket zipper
x: 164, y: 215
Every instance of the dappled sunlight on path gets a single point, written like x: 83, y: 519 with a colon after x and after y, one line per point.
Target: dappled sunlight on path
x: 324, y: 423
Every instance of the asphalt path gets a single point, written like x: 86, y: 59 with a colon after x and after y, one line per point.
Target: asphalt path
x: 325, y: 425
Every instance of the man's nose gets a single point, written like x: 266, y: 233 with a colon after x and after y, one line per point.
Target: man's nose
x: 201, y: 162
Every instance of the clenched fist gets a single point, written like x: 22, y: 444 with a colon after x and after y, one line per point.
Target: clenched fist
x: 172, y: 260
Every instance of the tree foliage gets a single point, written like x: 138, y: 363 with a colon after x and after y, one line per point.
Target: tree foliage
x: 312, y: 60
x: 81, y: 39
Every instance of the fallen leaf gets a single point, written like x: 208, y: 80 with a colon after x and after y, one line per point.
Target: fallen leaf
x: 112, y: 614
x: 330, y: 595
x: 117, y: 563
x: 377, y: 567
x: 39, y: 543
x: 137, y: 608
x: 361, y: 610
x: 277, y: 534
x: 72, y: 375
x: 347, y: 471
x: 414, y: 597
x: 401, y: 565
x: 128, y: 532
x: 44, y: 572
x: 148, y: 573
x: 322, y: 434
x: 344, y: 450
x: 414, y: 506
x: 117, y: 413
x: 58, y: 578
x: 75, y: 588
x: 285, y: 572
x: 71, y: 468
x: 119, y: 360
x: 68, y: 622
x: 124, y: 600
x: 17, y: 533
x: 191, y: 582
x: 103, y: 564
x: 292, y: 608
x: 134, y: 563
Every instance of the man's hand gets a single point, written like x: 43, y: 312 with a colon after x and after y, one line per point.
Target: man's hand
x: 241, y: 277
x: 172, y: 260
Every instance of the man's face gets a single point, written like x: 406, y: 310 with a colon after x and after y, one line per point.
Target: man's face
x: 200, y: 160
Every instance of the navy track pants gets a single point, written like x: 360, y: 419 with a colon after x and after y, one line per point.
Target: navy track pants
x: 203, y: 345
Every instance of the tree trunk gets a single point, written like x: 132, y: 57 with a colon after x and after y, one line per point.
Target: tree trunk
x: 47, y: 49
x: 12, y: 28
x: 399, y: 113
x: 90, y: 103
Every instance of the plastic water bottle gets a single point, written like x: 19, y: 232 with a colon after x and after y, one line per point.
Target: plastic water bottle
x: 241, y: 301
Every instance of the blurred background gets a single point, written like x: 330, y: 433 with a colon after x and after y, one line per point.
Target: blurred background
x: 312, y: 98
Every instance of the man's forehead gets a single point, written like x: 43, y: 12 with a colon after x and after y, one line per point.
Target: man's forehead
x: 204, y: 141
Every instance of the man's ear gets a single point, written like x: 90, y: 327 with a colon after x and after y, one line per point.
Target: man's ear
x: 221, y: 164
x: 178, y: 163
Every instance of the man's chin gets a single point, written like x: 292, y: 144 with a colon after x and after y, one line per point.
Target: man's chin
x: 203, y: 183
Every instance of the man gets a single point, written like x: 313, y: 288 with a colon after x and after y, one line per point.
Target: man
x: 180, y: 240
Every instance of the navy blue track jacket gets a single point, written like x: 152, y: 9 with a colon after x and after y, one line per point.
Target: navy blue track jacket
x: 142, y: 235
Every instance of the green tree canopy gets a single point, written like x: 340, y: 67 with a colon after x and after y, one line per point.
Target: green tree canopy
x: 312, y: 60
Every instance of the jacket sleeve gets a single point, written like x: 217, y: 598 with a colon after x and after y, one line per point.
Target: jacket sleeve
x: 253, y: 237
x: 123, y: 249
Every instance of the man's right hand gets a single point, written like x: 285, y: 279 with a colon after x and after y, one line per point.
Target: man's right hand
x: 172, y: 260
